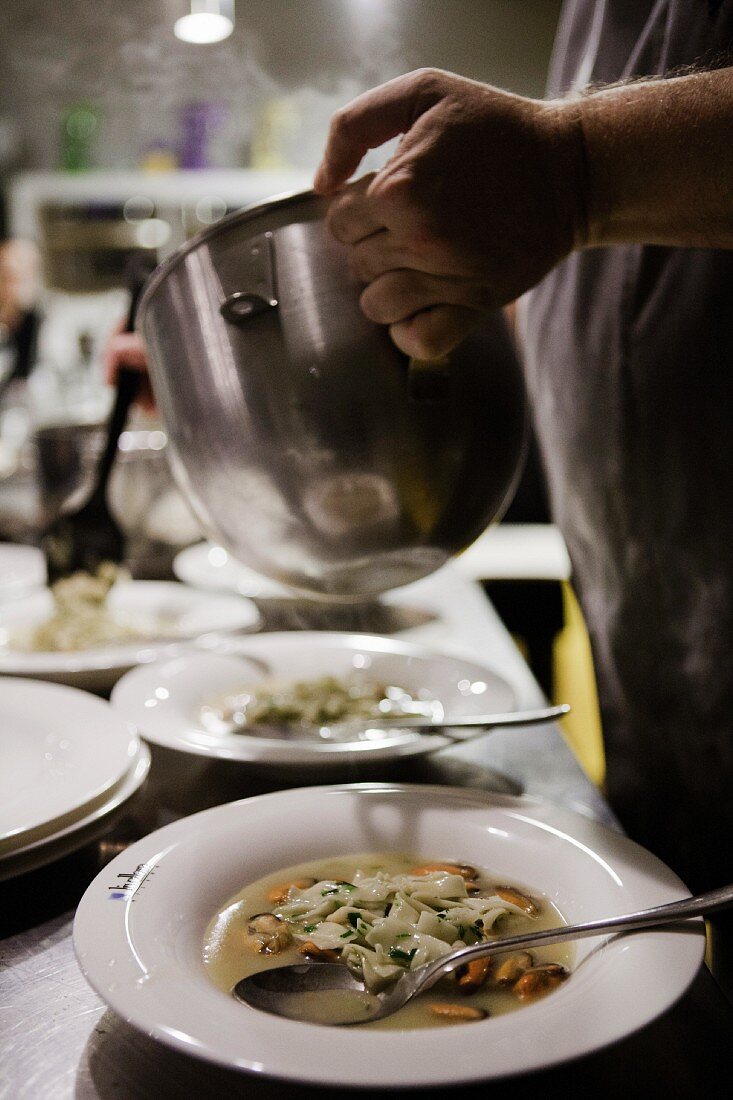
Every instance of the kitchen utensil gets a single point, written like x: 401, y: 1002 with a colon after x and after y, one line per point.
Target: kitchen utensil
x: 279, y: 991
x: 420, y: 723
x: 83, y: 539
x: 308, y: 445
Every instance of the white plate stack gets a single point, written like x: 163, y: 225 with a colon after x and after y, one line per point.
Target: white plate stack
x: 69, y: 766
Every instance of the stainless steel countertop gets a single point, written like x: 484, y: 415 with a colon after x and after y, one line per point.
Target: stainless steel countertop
x: 59, y: 1041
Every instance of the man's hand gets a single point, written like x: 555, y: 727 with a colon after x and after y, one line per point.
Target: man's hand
x: 19, y: 281
x: 126, y: 349
x: 482, y: 197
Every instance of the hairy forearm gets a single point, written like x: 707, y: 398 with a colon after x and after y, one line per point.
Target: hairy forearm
x: 658, y: 161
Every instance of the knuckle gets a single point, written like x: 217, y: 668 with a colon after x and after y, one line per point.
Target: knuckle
x: 374, y: 307
x: 423, y: 344
x: 361, y: 268
x: 428, y: 81
x: 397, y: 189
x: 388, y: 298
x: 337, y: 221
x: 340, y: 122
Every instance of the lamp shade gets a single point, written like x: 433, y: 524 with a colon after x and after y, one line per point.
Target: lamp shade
x: 207, y: 21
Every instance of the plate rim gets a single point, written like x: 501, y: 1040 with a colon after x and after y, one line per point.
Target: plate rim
x: 79, y: 833
x: 163, y: 841
x: 272, y: 589
x: 111, y: 657
x: 112, y: 717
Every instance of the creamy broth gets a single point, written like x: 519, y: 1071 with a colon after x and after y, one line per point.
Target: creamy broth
x: 229, y: 954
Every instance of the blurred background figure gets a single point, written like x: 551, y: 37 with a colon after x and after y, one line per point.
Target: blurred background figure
x: 19, y: 309
x: 20, y: 318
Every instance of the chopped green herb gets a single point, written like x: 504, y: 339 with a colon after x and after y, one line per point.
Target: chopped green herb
x: 309, y: 927
x: 346, y: 935
x: 353, y: 919
x: 399, y: 955
x: 387, y: 908
x: 333, y: 890
x: 403, y: 935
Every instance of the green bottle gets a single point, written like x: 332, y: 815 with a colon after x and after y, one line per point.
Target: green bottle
x: 79, y: 128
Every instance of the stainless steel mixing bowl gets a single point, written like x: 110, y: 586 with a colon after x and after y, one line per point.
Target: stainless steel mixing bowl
x: 307, y: 444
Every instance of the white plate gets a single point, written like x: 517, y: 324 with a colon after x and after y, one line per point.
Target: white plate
x: 209, y: 566
x: 83, y: 830
x: 21, y: 568
x: 140, y: 926
x: 191, y: 613
x: 63, y: 752
x: 164, y: 700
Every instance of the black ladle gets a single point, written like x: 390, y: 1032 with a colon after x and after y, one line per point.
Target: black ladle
x: 89, y: 536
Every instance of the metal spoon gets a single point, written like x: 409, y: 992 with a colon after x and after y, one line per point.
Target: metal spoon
x: 350, y: 730
x: 322, y: 992
x: 445, y: 726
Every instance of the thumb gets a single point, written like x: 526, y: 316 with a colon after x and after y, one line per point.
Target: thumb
x: 370, y: 120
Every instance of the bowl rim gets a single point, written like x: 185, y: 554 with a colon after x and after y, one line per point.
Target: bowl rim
x: 246, y: 214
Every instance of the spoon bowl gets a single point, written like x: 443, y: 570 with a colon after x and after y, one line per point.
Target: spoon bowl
x: 328, y: 993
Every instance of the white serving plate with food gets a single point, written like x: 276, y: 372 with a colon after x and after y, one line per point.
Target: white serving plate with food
x: 22, y: 568
x: 206, y: 565
x: 64, y: 752
x: 165, y: 701
x: 93, y: 823
x: 140, y: 927
x: 168, y: 613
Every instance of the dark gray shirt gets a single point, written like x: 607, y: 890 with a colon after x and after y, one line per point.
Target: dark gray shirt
x: 629, y: 363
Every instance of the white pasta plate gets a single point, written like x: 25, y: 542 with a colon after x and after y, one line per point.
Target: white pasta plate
x: 140, y: 927
x: 167, y: 612
x: 64, y: 750
x: 165, y: 701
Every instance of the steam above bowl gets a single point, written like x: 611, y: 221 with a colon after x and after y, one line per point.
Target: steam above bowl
x: 307, y: 444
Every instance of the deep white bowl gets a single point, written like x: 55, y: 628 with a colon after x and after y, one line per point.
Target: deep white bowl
x: 164, y: 700
x: 139, y: 931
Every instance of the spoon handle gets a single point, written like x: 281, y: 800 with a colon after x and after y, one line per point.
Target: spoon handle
x: 696, y: 906
x: 445, y: 726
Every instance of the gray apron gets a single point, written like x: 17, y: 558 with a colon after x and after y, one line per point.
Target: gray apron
x: 629, y: 364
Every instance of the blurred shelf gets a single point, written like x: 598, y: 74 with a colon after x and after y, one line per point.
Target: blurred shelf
x: 236, y: 187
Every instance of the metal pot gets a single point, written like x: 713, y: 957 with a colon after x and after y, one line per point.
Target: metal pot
x: 307, y: 444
